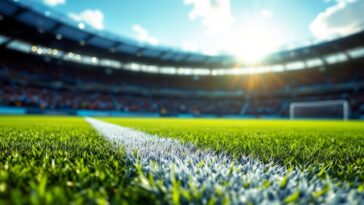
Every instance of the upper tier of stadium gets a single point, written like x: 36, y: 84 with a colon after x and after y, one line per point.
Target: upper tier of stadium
x: 60, y: 37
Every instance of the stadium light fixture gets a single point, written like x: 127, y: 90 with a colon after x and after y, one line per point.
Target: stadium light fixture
x: 296, y: 65
x: 94, y: 60
x: 184, y: 71
x: 168, y: 70
x: 81, y: 26
x: 59, y: 37
x: 221, y: 71
x: 336, y: 58
x: 277, y: 68
x: 150, y: 69
x: 314, y: 62
x: 40, y: 51
x: 34, y: 48
x: 201, y: 71
x: 244, y: 70
x: 55, y: 52
x: 49, y: 51
x: 356, y: 52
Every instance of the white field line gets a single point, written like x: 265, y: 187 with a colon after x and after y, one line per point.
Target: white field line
x: 219, y: 175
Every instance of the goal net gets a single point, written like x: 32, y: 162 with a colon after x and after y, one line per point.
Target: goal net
x: 330, y: 109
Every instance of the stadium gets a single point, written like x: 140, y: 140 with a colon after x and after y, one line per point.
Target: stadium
x: 91, y: 117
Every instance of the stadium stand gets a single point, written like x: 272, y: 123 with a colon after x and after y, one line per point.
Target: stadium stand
x: 46, y: 85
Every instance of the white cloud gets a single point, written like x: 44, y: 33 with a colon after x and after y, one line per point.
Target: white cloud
x: 343, y: 18
x: 215, y: 14
x: 266, y: 13
x: 143, y: 35
x: 92, y: 17
x: 54, y: 2
x: 189, y: 46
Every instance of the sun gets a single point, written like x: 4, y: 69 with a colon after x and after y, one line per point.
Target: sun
x: 252, y: 42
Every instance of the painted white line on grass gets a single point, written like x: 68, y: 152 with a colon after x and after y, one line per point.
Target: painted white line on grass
x: 220, y: 176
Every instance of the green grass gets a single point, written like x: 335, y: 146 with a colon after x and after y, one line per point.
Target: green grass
x: 62, y: 160
x: 332, y: 147
x: 59, y: 160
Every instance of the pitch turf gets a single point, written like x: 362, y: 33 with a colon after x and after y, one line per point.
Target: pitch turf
x: 49, y: 160
x: 332, y: 147
x: 61, y: 160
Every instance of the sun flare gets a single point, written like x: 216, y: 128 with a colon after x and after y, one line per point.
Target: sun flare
x: 252, y: 42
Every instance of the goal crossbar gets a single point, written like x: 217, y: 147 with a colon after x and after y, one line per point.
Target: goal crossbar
x: 323, y: 103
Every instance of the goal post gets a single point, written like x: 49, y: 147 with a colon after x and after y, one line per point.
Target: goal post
x: 328, y: 109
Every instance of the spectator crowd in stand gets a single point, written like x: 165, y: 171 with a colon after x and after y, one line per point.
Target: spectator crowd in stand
x: 46, y: 98
x: 42, y: 86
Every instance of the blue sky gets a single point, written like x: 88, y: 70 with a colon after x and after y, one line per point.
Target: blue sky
x: 215, y: 26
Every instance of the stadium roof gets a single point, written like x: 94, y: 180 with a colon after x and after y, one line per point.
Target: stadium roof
x: 57, y: 31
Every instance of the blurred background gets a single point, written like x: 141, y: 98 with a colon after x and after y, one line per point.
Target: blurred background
x: 54, y: 60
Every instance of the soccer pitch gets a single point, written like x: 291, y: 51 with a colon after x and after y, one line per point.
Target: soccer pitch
x: 47, y: 160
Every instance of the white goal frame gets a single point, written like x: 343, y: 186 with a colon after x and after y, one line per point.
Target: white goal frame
x: 343, y: 103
